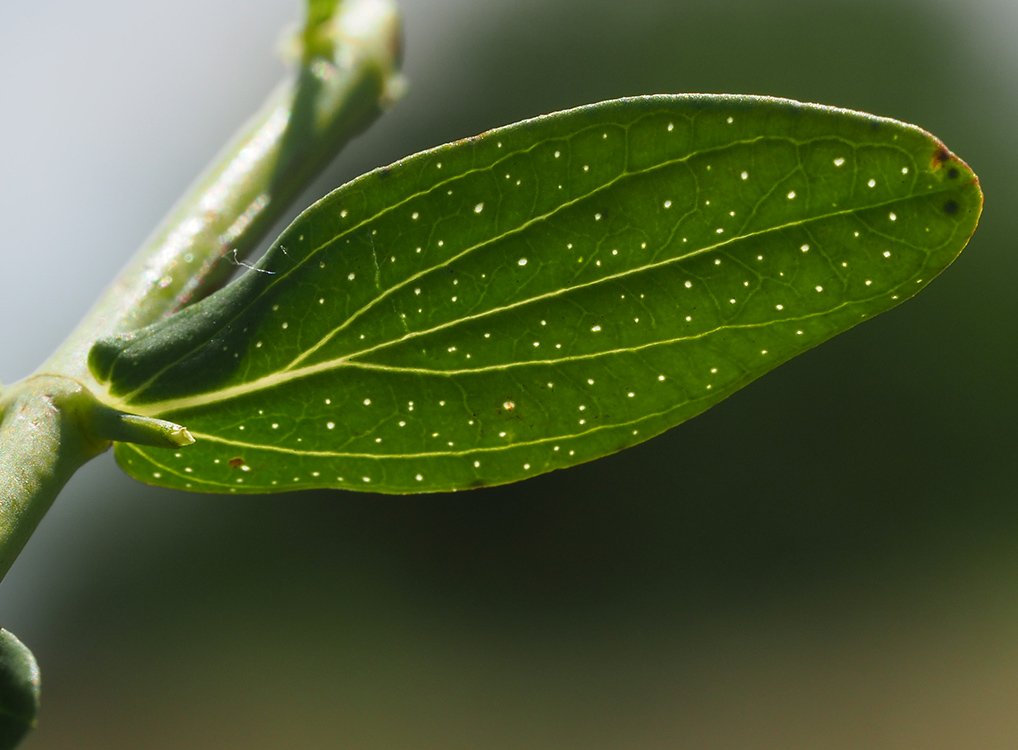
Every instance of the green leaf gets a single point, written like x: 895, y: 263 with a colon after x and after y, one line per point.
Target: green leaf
x: 542, y: 295
x: 19, y: 690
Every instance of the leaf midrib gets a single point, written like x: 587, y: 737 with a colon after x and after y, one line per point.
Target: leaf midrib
x: 626, y: 174
x: 283, y: 376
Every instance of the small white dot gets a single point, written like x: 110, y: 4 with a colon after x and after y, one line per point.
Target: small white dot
x: 367, y: 402
x: 330, y: 425
x: 805, y: 248
x: 668, y: 204
x: 478, y: 208
x: 887, y: 253
x: 595, y: 329
x: 744, y: 175
x: 791, y: 195
x: 818, y: 288
x: 521, y: 262
x: 872, y: 183
x: 839, y: 162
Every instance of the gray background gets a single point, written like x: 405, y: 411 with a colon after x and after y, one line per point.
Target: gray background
x: 828, y: 559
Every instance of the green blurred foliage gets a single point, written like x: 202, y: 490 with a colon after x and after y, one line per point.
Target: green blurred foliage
x: 825, y: 560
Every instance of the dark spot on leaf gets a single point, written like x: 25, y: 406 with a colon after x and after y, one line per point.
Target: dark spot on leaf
x: 953, y: 173
x: 951, y: 207
x: 940, y: 157
x: 237, y: 462
x: 477, y: 484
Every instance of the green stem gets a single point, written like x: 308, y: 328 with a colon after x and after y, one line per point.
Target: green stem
x: 337, y: 91
x: 51, y: 423
x: 44, y: 439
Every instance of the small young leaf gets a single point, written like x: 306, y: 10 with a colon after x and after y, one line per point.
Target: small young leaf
x: 542, y: 295
x: 19, y: 690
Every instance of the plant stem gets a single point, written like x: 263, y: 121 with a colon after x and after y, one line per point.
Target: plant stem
x: 44, y: 439
x: 51, y: 423
x: 226, y: 214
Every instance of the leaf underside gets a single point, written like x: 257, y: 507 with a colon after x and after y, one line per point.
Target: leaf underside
x: 542, y: 295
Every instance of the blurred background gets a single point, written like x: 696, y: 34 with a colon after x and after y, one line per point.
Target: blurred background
x: 828, y: 559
